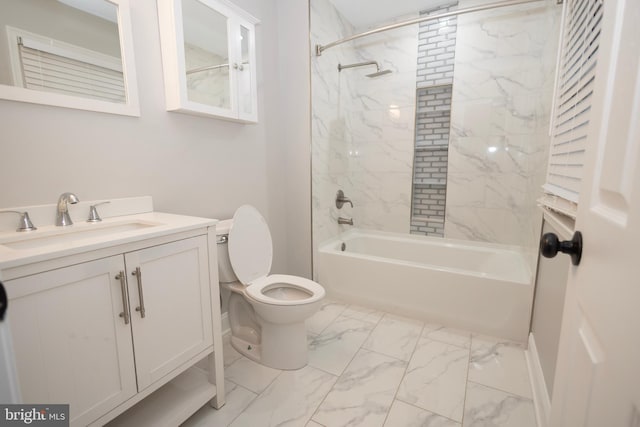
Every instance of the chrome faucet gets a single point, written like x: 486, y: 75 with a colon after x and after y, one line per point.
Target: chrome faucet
x: 62, y: 217
x: 341, y: 200
x: 345, y: 221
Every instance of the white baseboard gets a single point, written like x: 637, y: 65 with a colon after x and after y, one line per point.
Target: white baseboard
x: 541, y: 400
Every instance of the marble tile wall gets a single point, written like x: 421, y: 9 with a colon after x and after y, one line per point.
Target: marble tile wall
x: 331, y: 135
x: 362, y: 128
x: 382, y: 123
x: 502, y: 89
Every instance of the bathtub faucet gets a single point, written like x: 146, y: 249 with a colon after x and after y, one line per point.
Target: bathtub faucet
x: 345, y: 221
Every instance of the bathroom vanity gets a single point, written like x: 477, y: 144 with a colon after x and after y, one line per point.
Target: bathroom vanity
x: 113, y: 316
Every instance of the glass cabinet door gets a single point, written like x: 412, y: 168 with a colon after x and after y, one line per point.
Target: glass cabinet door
x: 206, y: 55
x: 246, y: 80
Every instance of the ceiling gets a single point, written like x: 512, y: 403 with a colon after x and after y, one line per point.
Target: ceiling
x: 363, y: 14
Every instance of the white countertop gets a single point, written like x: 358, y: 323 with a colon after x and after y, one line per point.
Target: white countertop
x: 50, y: 241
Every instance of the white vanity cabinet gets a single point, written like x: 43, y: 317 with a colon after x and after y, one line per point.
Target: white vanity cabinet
x: 209, y: 58
x: 103, y: 334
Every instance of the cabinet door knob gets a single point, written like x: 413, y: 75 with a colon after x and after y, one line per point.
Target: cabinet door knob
x: 550, y: 245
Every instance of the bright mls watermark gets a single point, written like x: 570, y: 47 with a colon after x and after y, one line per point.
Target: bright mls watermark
x: 34, y: 415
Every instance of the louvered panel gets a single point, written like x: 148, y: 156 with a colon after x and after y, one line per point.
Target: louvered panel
x: 35, y: 62
x: 55, y: 73
x: 573, y: 97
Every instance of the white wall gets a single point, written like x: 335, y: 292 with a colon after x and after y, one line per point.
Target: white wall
x: 190, y: 165
x: 292, y: 162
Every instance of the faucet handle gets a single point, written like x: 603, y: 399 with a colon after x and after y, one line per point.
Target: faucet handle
x: 341, y: 200
x: 93, y: 212
x: 25, y: 221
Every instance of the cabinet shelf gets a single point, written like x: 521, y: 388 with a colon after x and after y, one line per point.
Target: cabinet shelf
x: 432, y: 182
x: 172, y: 404
x: 437, y: 147
x: 439, y: 112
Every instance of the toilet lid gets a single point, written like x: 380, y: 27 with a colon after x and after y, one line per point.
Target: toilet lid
x: 250, y: 245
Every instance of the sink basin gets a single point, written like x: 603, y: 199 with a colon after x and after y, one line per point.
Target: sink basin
x: 73, y: 234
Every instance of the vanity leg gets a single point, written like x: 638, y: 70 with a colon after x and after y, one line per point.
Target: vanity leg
x: 216, y: 376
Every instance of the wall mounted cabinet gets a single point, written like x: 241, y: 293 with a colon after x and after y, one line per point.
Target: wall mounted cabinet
x: 209, y: 59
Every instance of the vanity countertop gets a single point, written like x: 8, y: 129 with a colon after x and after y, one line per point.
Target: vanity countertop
x: 50, y: 241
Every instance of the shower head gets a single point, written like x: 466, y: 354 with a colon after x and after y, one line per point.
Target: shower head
x: 362, y: 64
x: 379, y: 73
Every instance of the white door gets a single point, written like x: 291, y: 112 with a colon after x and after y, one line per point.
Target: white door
x: 598, y: 372
x: 171, y: 283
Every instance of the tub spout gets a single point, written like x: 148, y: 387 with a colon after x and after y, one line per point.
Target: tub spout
x: 345, y: 221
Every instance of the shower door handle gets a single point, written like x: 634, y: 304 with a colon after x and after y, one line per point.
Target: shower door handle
x: 550, y: 245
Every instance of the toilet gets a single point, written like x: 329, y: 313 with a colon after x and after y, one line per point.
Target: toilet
x: 267, y: 313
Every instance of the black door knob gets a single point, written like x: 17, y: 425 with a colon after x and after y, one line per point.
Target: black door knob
x: 4, y: 301
x: 550, y: 245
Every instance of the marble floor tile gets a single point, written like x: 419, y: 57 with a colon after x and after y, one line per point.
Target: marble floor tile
x: 370, y: 368
x: 290, y: 400
x: 488, y: 407
x: 395, y: 337
x: 364, y: 393
x: 499, y: 364
x: 329, y: 311
x: 363, y: 313
x: 334, y: 348
x: 250, y: 375
x: 405, y: 415
x: 447, y: 335
x: 436, y: 378
x: 237, y: 399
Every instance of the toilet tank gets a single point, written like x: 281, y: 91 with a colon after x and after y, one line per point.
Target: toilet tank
x: 225, y: 271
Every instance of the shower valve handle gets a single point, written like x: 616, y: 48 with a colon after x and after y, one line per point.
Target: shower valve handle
x: 341, y: 200
x: 550, y: 245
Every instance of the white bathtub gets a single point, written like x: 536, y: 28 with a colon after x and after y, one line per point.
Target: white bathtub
x: 480, y: 287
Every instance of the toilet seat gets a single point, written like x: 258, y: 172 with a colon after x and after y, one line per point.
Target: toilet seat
x: 251, y: 253
x: 308, y: 291
x: 250, y: 245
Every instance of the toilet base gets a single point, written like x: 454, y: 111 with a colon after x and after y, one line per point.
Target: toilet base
x: 284, y: 346
x: 249, y: 350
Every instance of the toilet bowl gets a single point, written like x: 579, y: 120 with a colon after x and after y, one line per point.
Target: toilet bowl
x: 266, y: 312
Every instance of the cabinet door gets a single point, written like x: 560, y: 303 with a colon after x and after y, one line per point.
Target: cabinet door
x: 247, y: 91
x: 171, y: 284
x: 71, y: 345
